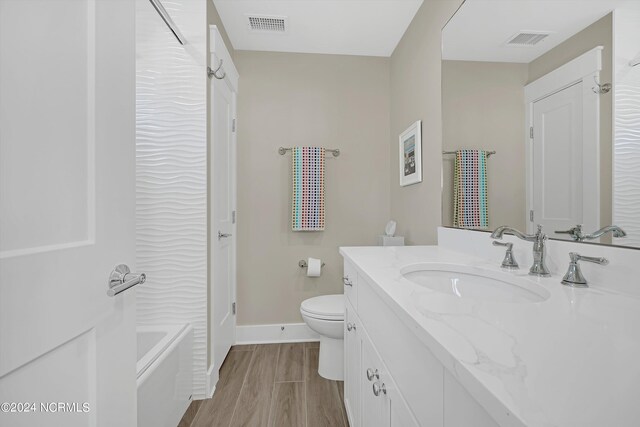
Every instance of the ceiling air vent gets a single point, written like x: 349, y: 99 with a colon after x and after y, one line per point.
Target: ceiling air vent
x: 528, y: 38
x: 269, y: 24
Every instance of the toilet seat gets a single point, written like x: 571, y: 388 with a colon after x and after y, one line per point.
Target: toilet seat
x: 325, y: 307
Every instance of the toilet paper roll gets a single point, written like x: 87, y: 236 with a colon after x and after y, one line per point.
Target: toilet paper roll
x: 314, y: 267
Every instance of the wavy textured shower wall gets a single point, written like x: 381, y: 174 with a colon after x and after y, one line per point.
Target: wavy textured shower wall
x: 171, y: 174
x: 626, y: 197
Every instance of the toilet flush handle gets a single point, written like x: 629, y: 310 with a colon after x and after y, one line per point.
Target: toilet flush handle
x: 346, y: 281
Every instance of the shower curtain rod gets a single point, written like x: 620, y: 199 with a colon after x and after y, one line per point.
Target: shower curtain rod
x: 167, y: 20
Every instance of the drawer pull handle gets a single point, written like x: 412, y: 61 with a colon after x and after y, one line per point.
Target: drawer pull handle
x: 351, y: 327
x: 346, y: 281
x: 371, y: 374
x: 379, y: 388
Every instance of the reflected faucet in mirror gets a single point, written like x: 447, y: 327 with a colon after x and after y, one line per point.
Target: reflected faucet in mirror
x: 578, y: 235
x: 539, y: 267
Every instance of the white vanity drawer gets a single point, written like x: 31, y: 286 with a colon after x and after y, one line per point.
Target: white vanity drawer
x: 415, y: 370
x: 350, y: 281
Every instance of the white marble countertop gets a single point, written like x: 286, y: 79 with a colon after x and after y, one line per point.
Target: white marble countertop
x: 571, y: 360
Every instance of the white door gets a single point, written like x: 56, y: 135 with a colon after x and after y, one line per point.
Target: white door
x: 558, y: 161
x: 67, y: 205
x: 222, y: 208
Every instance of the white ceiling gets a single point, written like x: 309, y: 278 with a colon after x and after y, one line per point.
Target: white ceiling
x: 480, y: 29
x: 347, y: 27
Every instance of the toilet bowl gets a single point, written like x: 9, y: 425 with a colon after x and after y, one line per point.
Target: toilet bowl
x: 325, y: 315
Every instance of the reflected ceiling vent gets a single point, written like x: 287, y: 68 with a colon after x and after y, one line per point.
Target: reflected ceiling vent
x: 527, y: 38
x: 267, y: 24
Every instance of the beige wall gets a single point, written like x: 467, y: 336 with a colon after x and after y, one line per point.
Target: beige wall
x: 303, y: 99
x: 483, y: 107
x: 599, y: 33
x: 416, y: 95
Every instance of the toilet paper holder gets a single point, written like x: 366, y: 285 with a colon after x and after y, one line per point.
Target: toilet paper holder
x: 303, y: 264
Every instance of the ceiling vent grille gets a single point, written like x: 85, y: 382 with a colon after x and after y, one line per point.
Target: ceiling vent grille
x: 270, y: 24
x: 527, y: 38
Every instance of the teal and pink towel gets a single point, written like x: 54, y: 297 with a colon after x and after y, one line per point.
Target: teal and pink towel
x: 307, y: 207
x: 470, y: 208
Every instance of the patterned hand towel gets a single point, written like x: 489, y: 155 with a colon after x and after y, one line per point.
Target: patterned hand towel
x: 470, y: 189
x: 307, y: 207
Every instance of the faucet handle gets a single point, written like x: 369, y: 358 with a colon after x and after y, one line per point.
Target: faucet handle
x: 509, y: 260
x: 508, y: 245
x: 575, y: 257
x: 574, y: 277
x: 539, y: 233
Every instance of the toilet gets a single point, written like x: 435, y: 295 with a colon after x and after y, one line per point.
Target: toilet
x: 325, y: 315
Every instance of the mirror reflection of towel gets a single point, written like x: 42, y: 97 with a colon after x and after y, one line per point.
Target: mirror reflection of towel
x: 470, y: 189
x: 307, y: 201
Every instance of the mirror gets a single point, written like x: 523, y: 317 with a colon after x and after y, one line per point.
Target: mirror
x: 553, y: 88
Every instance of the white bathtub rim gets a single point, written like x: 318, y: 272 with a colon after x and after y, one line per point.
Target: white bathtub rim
x: 161, y: 350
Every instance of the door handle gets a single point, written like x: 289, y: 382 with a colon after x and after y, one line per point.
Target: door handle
x: 223, y: 235
x: 122, y: 279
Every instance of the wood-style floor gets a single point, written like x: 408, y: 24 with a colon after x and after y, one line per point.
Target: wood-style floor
x: 272, y: 385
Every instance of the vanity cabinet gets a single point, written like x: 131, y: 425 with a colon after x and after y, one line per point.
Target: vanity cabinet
x: 371, y: 397
x: 391, y: 377
x: 350, y: 281
x: 352, y: 359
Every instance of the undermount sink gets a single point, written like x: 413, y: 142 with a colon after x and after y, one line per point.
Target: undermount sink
x: 475, y: 283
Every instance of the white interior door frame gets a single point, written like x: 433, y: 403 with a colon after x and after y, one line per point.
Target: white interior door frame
x: 584, y: 69
x: 222, y: 62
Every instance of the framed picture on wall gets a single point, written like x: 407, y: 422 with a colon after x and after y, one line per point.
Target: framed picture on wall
x: 411, y: 154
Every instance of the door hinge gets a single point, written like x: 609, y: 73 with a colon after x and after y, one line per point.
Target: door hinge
x: 531, y: 216
x: 233, y: 125
x: 531, y: 132
x: 233, y: 308
x: 233, y: 217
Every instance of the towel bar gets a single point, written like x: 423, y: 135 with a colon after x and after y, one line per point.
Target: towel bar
x: 334, y: 151
x: 489, y: 153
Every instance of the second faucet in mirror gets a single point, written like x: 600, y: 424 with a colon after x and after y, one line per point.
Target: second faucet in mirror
x: 578, y: 235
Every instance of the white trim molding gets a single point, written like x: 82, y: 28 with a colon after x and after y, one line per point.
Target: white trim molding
x: 278, y: 333
x: 584, y: 69
x: 213, y: 375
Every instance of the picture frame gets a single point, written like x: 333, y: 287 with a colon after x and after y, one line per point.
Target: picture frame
x: 410, y: 154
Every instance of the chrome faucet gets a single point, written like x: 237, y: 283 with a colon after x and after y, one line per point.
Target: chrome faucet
x: 574, y: 277
x: 539, y: 268
x: 578, y: 235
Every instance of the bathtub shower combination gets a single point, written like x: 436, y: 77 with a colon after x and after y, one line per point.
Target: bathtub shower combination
x: 164, y: 374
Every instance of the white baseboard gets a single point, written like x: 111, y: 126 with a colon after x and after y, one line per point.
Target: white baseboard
x: 279, y: 333
x: 212, y: 380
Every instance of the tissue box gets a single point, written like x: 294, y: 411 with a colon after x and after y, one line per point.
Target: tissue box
x: 390, y: 241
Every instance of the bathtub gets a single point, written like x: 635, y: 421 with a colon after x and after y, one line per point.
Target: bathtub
x: 165, y: 374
